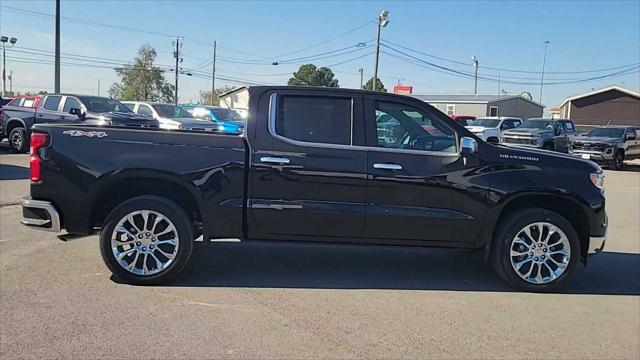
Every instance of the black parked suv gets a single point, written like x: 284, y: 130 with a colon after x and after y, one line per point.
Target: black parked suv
x: 316, y: 165
x: 67, y: 108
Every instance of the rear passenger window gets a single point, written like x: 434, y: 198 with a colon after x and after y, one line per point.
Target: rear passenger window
x: 315, y: 119
x: 52, y: 103
x: 569, y: 126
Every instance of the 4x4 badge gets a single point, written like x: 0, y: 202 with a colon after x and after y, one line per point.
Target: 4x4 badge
x: 98, y: 134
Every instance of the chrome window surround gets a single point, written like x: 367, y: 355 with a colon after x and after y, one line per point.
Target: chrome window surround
x: 273, y: 112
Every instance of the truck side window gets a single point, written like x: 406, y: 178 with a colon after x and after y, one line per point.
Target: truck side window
x: 71, y: 103
x: 569, y: 126
x: 52, y: 103
x: 315, y: 119
x: 400, y: 126
x: 144, y: 110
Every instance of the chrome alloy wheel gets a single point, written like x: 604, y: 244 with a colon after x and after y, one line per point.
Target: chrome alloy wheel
x: 540, y: 253
x: 144, y: 242
x: 16, y: 140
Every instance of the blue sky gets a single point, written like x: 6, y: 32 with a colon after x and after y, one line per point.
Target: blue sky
x: 502, y: 34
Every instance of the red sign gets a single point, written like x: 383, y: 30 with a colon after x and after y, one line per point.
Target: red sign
x: 402, y: 89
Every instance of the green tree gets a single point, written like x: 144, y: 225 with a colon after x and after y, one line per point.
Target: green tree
x: 369, y: 85
x: 142, y: 81
x: 310, y: 75
x: 205, y: 95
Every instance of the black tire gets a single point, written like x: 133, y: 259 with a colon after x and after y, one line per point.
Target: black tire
x: 167, y: 208
x: 548, y: 146
x: 618, y: 161
x: 18, y: 140
x: 509, y: 229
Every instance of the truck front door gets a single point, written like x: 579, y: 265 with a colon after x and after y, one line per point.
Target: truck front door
x: 308, y: 176
x: 419, y: 186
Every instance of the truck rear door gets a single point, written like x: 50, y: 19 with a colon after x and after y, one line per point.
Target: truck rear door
x: 51, y: 110
x: 308, y: 178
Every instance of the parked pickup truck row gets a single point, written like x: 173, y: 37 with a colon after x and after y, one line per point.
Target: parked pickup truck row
x: 17, y: 121
x: 317, y: 165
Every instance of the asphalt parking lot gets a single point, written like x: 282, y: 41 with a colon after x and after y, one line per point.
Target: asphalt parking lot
x: 57, y: 299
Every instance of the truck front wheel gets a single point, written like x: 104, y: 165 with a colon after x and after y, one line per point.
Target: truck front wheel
x: 146, y: 240
x: 18, y: 140
x: 618, y: 161
x: 536, y: 250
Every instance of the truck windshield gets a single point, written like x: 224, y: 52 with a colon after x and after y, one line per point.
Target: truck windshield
x: 607, y: 132
x: 490, y: 123
x: 536, y: 124
x: 101, y: 105
x: 227, y: 114
x: 171, y: 111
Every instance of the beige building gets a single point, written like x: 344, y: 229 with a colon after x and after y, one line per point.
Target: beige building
x: 237, y: 99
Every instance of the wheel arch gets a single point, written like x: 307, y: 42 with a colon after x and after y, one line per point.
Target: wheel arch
x: 567, y: 207
x: 116, y: 189
x: 12, y: 123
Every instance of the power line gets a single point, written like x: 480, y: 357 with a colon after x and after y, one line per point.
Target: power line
x: 511, y: 70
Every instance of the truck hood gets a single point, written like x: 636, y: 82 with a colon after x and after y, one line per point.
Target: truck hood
x: 529, y: 131
x: 478, y: 128
x: 598, y: 139
x: 190, y: 122
x: 125, y: 119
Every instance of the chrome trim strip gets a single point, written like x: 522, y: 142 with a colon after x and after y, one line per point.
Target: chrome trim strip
x: 387, y: 166
x: 272, y: 130
x: 596, y: 244
x: 274, y: 160
x: 46, y: 206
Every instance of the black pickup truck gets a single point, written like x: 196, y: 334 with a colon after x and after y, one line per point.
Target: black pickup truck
x: 16, y: 121
x: 318, y: 165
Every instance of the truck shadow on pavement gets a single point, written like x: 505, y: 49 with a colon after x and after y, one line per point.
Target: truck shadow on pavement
x: 13, y: 172
x: 375, y: 267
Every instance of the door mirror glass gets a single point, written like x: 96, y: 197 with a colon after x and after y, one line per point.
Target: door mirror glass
x: 468, y: 146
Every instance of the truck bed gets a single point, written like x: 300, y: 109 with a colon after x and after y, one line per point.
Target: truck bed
x: 208, y: 168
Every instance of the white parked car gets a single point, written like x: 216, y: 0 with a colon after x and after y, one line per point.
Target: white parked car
x: 490, y: 129
x: 171, y: 117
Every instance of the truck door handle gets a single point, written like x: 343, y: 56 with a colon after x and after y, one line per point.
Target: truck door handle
x: 387, y: 166
x: 274, y: 160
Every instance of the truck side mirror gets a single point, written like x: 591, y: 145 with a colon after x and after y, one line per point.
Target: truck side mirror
x: 630, y: 137
x: 77, y: 112
x: 468, y: 146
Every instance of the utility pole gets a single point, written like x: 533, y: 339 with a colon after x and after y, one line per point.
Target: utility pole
x: 474, y: 59
x: 383, y: 20
x: 361, y: 70
x: 11, y: 82
x: 544, y: 60
x: 176, y: 54
x: 56, y: 86
x: 213, y: 73
x: 98, y: 87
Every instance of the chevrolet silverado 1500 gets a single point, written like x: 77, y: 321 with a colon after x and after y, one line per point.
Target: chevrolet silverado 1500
x: 314, y: 165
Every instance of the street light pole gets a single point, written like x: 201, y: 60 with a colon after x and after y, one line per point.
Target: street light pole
x: 544, y: 60
x: 361, y: 70
x: 56, y: 78
x: 3, y: 41
x: 383, y: 20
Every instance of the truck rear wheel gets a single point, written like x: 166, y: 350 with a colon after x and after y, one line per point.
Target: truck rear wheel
x: 146, y: 240
x: 18, y: 140
x: 536, y: 250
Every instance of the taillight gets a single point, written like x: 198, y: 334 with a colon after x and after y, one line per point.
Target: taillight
x: 38, y: 140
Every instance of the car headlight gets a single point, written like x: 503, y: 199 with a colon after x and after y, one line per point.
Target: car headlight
x: 598, y: 179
